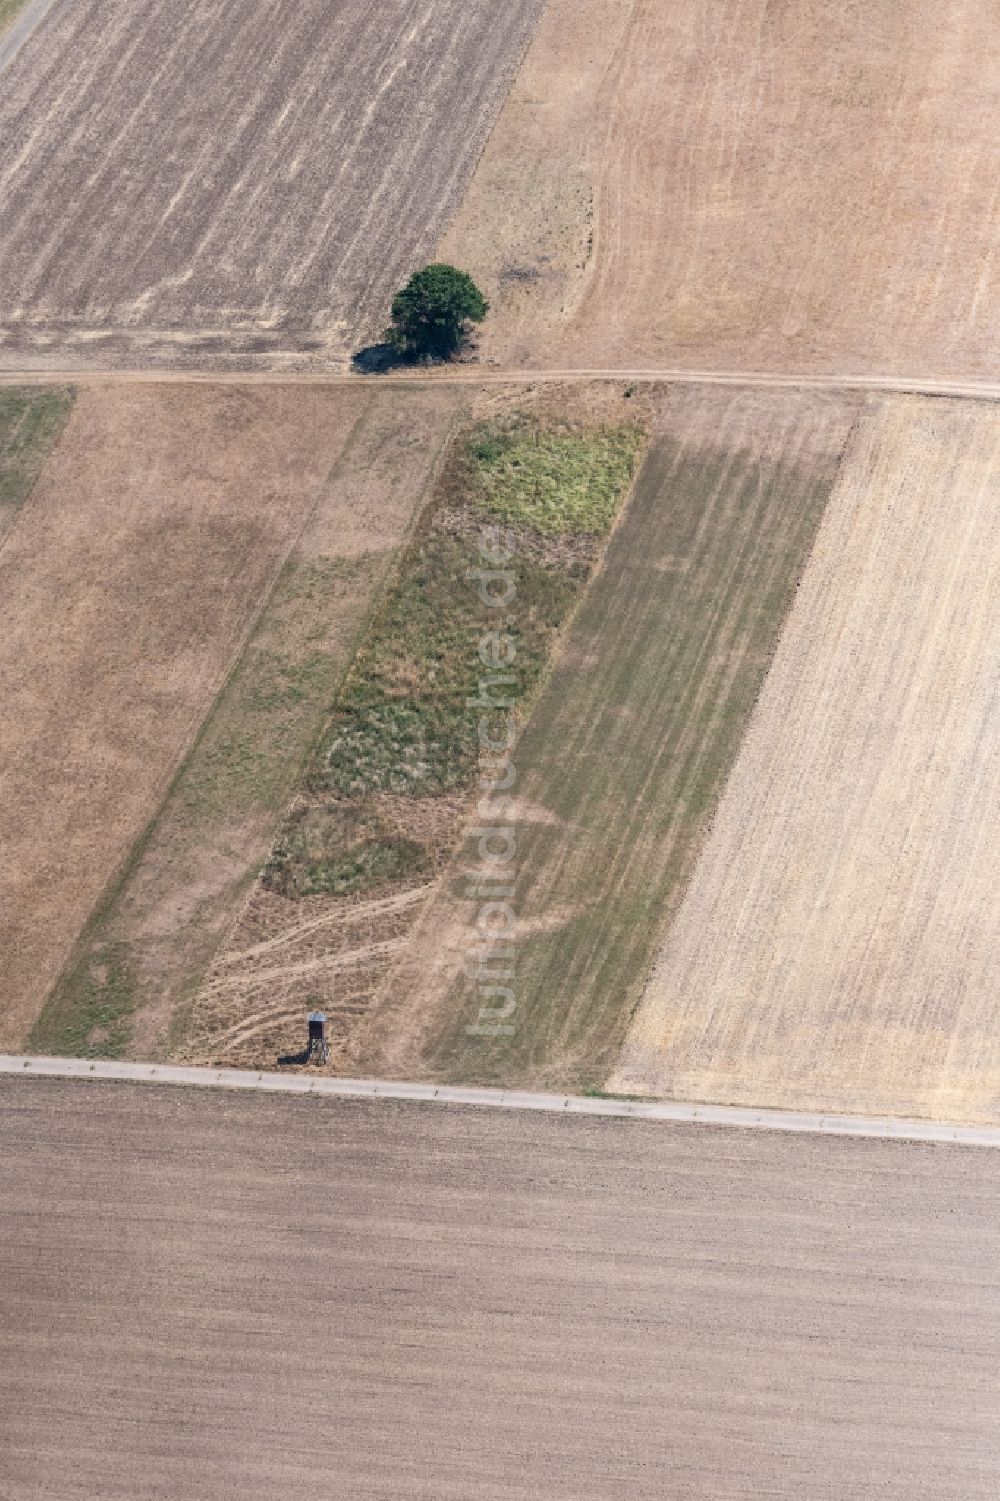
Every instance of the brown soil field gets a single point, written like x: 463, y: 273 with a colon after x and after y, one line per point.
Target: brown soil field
x: 836, y: 949
x: 146, y: 951
x: 235, y: 178
x: 621, y: 764
x: 127, y: 586
x: 208, y: 1294
x: 746, y: 185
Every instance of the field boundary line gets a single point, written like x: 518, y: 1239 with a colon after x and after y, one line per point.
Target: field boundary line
x: 503, y: 1099
x: 899, y: 385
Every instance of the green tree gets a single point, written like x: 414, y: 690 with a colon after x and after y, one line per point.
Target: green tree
x: 432, y: 313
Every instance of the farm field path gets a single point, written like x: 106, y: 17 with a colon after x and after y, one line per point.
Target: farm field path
x: 474, y: 374
x: 836, y: 949
x: 127, y: 586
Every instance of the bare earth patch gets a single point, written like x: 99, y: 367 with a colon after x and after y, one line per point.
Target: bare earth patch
x: 473, y: 1305
x: 837, y: 946
x: 126, y: 588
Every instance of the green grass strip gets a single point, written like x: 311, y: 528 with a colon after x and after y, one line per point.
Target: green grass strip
x: 31, y: 420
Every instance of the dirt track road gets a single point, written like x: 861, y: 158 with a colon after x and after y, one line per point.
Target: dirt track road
x: 476, y: 375
x: 208, y: 1295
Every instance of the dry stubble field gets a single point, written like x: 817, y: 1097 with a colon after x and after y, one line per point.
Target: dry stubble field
x: 807, y: 188
x: 129, y: 582
x: 836, y: 949
x: 235, y: 178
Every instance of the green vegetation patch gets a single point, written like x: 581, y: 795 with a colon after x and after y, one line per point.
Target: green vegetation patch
x: 31, y: 419
x: 406, y: 721
x: 8, y: 10
x: 555, y: 482
x: 97, y: 1023
x: 404, y: 724
x: 340, y: 850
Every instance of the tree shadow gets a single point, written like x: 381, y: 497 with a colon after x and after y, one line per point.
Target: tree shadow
x: 376, y: 359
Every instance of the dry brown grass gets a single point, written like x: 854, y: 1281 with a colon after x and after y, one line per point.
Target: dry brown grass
x: 837, y: 946
x: 292, y: 950
x: 125, y: 589
x: 265, y: 958
x: 795, y: 188
x: 145, y: 954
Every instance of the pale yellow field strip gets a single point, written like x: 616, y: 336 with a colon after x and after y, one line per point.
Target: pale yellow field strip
x: 836, y: 949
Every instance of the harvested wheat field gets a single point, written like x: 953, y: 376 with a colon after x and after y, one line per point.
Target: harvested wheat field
x: 146, y: 950
x: 836, y: 949
x: 127, y: 586
x: 236, y: 179
x: 805, y: 188
x: 622, y: 761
